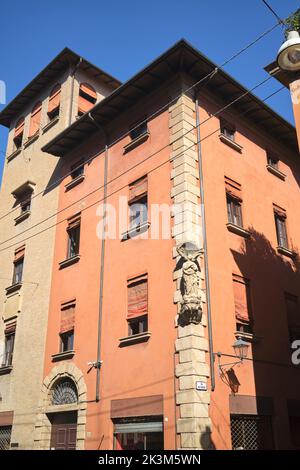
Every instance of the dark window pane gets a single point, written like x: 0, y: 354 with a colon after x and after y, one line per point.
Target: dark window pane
x: 234, y: 211
x: 8, y: 349
x: 73, y: 241
x: 138, y: 325
x: 281, y: 231
x: 137, y: 131
x: 67, y: 341
x: 138, y: 212
x: 18, y: 271
x: 77, y: 170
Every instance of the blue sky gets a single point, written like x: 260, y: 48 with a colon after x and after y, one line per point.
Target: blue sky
x: 122, y: 37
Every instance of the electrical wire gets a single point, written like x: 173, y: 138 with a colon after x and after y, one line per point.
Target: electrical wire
x: 280, y: 20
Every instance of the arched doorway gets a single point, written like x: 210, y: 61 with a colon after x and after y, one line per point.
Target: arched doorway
x: 63, y: 423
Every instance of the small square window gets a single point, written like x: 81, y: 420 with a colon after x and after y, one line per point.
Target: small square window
x: 228, y: 130
x: 67, y: 341
x: 138, y: 325
x: 138, y: 130
x: 77, y: 170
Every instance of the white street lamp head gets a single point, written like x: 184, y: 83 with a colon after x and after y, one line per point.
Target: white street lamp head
x: 288, y: 57
x: 240, y: 348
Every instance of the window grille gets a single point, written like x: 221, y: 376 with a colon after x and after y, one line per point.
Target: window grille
x: 64, y: 393
x: 250, y: 432
x: 5, y: 434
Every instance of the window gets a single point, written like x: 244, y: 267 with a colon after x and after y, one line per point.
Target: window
x: 272, y: 160
x: 10, y: 332
x: 5, y: 436
x: 25, y: 203
x: 138, y: 203
x: 73, y: 231
x: 67, y: 324
x: 294, y: 421
x: 234, y: 202
x: 87, y: 98
x: 293, y: 316
x: 140, y: 433
x: 227, y: 129
x: 77, y: 169
x: 242, y: 304
x: 137, y: 313
x: 18, y: 265
x: 35, y: 119
x: 138, y: 130
x: 251, y: 432
x: 19, y: 132
x: 66, y: 341
x: 280, y: 222
x: 64, y: 392
x: 54, y: 103
x: 234, y: 211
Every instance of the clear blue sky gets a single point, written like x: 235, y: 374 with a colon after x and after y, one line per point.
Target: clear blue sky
x: 122, y: 37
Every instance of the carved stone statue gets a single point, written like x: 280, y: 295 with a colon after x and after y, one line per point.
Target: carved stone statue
x: 191, y: 310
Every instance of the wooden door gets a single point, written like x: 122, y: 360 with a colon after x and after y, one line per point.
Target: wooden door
x: 63, y: 431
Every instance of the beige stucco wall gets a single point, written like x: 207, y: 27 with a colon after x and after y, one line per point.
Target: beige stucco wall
x: 20, y: 390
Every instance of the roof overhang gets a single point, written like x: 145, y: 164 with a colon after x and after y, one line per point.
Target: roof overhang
x: 182, y: 57
x: 282, y: 76
x: 66, y: 58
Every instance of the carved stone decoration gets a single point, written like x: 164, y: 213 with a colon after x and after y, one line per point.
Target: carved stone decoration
x: 191, y: 309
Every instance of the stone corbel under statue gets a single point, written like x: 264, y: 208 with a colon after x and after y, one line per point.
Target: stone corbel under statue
x: 191, y: 309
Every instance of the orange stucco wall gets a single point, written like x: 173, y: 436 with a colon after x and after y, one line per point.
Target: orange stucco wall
x: 138, y: 370
x: 148, y: 368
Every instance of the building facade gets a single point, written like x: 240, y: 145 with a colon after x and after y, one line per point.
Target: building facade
x: 175, y: 234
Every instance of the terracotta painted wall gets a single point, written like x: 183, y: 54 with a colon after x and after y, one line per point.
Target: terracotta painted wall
x: 137, y: 370
x: 257, y: 259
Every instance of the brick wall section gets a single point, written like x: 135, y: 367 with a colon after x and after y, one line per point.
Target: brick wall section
x: 193, y: 423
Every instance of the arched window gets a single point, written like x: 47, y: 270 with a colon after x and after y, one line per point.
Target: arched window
x: 64, y: 392
x: 54, y: 102
x: 19, y: 132
x: 86, y: 99
x: 35, y: 119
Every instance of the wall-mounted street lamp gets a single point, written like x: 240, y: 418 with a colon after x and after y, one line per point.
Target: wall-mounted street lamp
x: 288, y: 57
x: 240, y: 348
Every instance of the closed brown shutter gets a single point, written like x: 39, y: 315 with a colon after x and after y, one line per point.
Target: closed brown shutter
x: 19, y: 253
x: 137, y: 297
x: 10, y: 328
x: 19, y: 129
x: 67, y: 321
x: 54, y: 98
x: 138, y: 188
x: 241, y: 298
x: 35, y: 119
x: 233, y: 188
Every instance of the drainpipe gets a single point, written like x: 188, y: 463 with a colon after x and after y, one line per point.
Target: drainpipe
x: 72, y: 88
x: 100, y: 315
x: 207, y: 286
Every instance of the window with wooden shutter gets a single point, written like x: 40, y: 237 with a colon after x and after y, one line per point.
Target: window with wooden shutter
x: 54, y: 102
x: 280, y: 222
x: 35, y: 119
x: 137, y: 313
x: 138, y: 202
x: 18, y: 265
x: 67, y: 325
x: 19, y: 132
x: 242, y: 304
x: 9, y: 333
x: 86, y: 99
x: 234, y: 202
x: 73, y: 231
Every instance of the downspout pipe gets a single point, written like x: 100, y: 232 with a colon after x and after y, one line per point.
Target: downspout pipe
x: 98, y: 362
x: 203, y: 222
x: 72, y: 88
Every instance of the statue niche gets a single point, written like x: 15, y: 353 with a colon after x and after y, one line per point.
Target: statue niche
x: 191, y: 310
